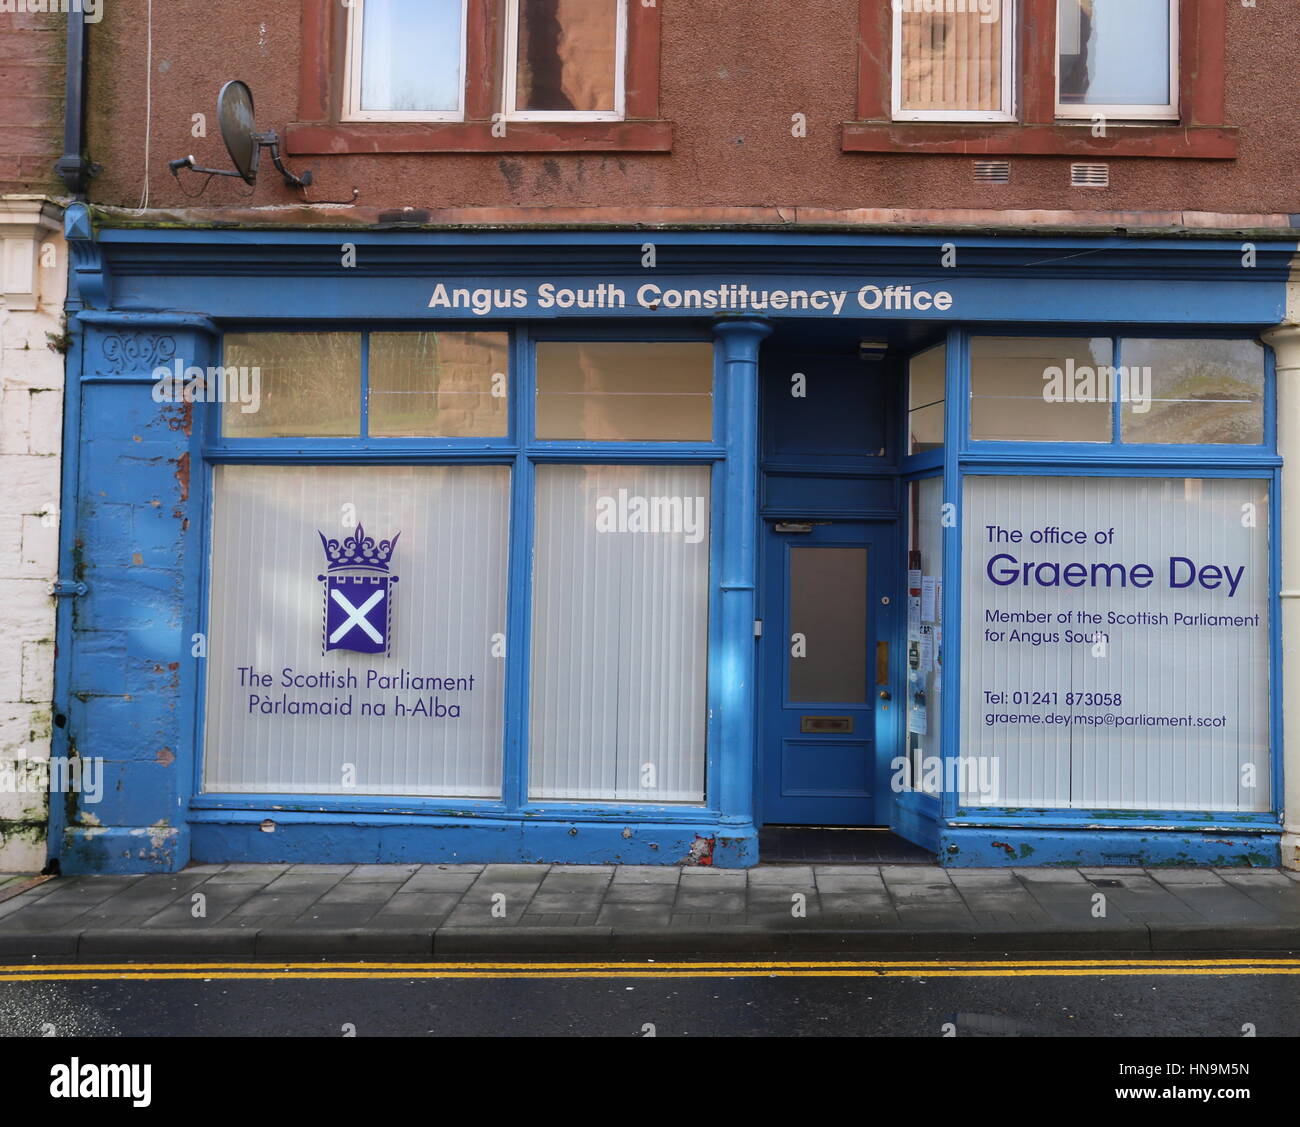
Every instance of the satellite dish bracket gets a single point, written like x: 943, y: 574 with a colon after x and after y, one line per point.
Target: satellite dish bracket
x: 235, y: 109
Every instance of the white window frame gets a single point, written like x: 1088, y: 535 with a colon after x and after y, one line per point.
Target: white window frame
x: 352, y: 110
x: 1009, y: 14
x: 1168, y: 112
x: 509, y: 90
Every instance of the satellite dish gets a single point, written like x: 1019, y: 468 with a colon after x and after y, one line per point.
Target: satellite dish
x: 243, y: 141
x: 238, y: 128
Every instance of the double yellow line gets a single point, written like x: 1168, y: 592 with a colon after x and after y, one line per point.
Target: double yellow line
x: 1061, y: 968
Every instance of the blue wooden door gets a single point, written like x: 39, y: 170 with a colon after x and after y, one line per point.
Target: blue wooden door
x: 828, y: 664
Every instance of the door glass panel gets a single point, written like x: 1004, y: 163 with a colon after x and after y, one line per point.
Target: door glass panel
x: 828, y: 625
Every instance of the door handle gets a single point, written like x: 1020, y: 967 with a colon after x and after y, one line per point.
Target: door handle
x: 885, y: 694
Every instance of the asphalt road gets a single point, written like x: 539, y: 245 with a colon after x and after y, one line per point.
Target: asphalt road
x: 1025, y: 998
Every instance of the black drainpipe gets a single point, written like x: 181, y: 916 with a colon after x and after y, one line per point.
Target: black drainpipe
x: 72, y: 166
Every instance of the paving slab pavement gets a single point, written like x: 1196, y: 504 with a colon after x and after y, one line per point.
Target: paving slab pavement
x: 420, y: 911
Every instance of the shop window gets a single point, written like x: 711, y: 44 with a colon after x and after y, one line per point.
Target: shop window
x: 1208, y: 392
x: 619, y: 633
x: 926, y: 380
x: 401, y: 690
x: 953, y: 65
x: 390, y: 680
x: 308, y: 386
x: 428, y: 385
x: 405, y: 60
x: 925, y: 633
x: 1024, y: 389
x: 624, y: 392
x: 564, y: 59
x: 447, y: 385
x: 1116, y: 643
x: 1117, y: 58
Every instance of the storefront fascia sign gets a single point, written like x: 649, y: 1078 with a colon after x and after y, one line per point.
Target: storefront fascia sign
x: 676, y: 295
x: 808, y: 297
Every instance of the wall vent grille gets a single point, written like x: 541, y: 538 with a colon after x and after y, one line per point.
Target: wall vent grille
x: 1089, y: 176
x: 993, y: 171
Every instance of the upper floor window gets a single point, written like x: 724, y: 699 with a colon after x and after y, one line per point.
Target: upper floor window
x: 960, y: 60
x: 561, y: 60
x: 405, y: 60
x: 954, y: 62
x: 565, y: 59
x: 1117, y: 58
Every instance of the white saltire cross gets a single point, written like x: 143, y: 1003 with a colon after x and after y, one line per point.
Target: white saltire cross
x: 356, y: 615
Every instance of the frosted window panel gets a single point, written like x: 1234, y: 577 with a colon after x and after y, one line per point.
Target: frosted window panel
x: 310, y: 385
x: 567, y: 55
x: 1188, y: 696
x: 828, y: 608
x: 620, y: 633
x: 625, y: 391
x: 1200, y: 391
x: 951, y: 60
x: 1011, y: 379
x: 1114, y: 52
x: 447, y: 385
x: 927, y: 374
x: 410, y: 55
x: 267, y: 612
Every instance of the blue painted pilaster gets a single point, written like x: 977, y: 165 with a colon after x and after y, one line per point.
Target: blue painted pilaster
x: 128, y: 680
x: 735, y: 673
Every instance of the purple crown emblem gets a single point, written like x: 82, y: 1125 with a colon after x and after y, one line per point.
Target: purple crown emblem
x: 358, y: 551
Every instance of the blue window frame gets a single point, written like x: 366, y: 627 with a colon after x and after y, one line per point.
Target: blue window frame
x: 524, y: 453
x: 963, y: 457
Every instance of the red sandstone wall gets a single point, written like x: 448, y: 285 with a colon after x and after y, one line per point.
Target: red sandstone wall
x: 31, y: 101
x: 731, y: 76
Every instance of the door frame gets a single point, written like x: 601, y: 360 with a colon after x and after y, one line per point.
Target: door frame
x: 890, y: 623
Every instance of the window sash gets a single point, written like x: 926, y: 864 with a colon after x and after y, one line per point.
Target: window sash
x: 1135, y: 112
x: 355, y: 41
x: 1119, y: 441
x: 510, y: 85
x: 1007, y: 105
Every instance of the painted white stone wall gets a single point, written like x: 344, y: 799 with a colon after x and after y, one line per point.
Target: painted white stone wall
x: 33, y: 281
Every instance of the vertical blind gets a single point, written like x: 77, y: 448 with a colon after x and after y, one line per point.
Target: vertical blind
x: 620, y: 633
x: 266, y: 612
x: 1210, y: 673
x: 951, y: 61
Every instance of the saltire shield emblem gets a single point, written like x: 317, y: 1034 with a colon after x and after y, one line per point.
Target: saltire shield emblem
x: 358, y: 613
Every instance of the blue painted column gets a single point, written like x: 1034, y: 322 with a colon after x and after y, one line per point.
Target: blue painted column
x: 735, y: 668
x: 128, y: 661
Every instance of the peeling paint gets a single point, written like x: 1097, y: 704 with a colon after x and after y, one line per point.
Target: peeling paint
x: 701, y: 851
x: 183, y: 475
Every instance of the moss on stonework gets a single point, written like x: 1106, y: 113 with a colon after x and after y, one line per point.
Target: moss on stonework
x: 33, y: 830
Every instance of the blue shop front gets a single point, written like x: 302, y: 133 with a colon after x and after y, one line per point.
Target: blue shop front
x: 600, y: 547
